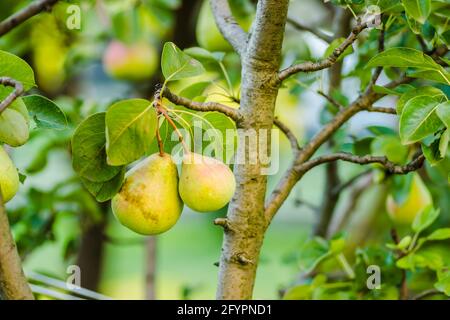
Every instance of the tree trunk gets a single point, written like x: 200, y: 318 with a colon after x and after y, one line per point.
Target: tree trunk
x: 13, y: 283
x: 90, y: 255
x: 150, y: 273
x: 246, y: 223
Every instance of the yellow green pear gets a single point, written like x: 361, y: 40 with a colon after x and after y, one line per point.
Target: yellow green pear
x: 417, y: 199
x: 148, y: 202
x: 206, y: 184
x: 9, y: 178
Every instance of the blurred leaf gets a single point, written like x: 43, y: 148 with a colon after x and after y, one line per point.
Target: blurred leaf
x: 130, y: 129
x: 178, y: 65
x: 439, y: 234
x: 418, y: 9
x: 333, y: 45
x: 391, y: 147
x: 424, y: 219
x: 46, y: 114
x: 312, y: 253
x: 443, y: 285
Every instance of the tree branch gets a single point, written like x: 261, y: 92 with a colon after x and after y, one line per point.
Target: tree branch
x: 299, y: 26
x: 326, y: 63
x: 390, y: 167
x: 330, y: 100
x: 23, y: 15
x: 228, y: 26
x: 289, y: 134
x: 203, y: 106
x: 296, y: 170
x: 18, y: 90
x: 382, y: 110
x: 13, y: 284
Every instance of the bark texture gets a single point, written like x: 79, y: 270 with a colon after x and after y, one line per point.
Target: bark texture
x: 246, y: 220
x: 13, y: 283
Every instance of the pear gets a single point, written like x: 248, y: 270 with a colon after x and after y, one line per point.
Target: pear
x: 206, y: 184
x: 9, y: 178
x: 135, y: 62
x: 417, y: 199
x: 148, y: 202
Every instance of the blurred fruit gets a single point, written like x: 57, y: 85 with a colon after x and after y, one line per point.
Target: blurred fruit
x: 209, y: 36
x: 417, y: 199
x: 9, y: 178
x: 148, y: 202
x: 134, y: 62
x: 49, y: 54
x: 206, y: 184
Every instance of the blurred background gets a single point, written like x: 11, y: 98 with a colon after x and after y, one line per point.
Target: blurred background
x: 58, y: 223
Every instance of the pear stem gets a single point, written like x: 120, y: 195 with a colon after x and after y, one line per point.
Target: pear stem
x: 160, y: 142
x: 160, y: 109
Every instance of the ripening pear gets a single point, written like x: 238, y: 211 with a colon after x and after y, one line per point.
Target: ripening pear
x: 148, y: 202
x: 136, y: 62
x: 418, y: 199
x: 9, y: 178
x: 206, y: 184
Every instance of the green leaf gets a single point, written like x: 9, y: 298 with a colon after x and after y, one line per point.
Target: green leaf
x: 439, y: 234
x: 422, y: 91
x: 436, y: 151
x: 13, y: 128
x: 399, y: 90
x: 437, y: 74
x: 312, y: 253
x: 424, y: 219
x: 195, y: 90
x: 403, y: 58
x: 418, y: 9
x: 89, y: 150
x: 46, y: 114
x: 104, y: 191
x: 419, y: 119
x: 176, y: 64
x: 336, y: 43
x: 391, y: 147
x: 130, y: 130
x: 300, y: 292
x: 443, y: 112
x: 205, y: 55
x: 14, y: 67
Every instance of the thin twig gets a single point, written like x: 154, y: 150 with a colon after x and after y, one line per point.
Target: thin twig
x: 389, y: 166
x: 330, y: 99
x: 382, y: 110
x: 327, y: 62
x: 18, y: 90
x: 234, y: 114
x: 299, y: 26
x: 289, y: 134
x: 23, y: 15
